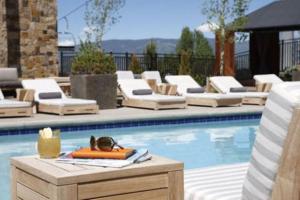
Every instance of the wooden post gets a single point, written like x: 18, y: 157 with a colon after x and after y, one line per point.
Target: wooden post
x: 287, y: 185
x: 229, y: 65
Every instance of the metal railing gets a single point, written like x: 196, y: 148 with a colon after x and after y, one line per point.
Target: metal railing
x: 165, y: 63
x: 289, y: 56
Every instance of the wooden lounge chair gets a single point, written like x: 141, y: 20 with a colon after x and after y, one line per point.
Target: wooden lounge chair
x: 225, y: 85
x: 125, y: 75
x: 51, y: 99
x: 12, y: 108
x: 273, y: 172
x: 154, y: 80
x: 150, y: 100
x: 264, y: 82
x: 185, y: 82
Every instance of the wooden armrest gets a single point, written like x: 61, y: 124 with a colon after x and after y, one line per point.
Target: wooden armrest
x: 25, y: 95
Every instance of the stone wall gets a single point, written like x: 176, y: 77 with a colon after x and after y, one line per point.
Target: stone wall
x: 32, y: 37
x: 3, y: 35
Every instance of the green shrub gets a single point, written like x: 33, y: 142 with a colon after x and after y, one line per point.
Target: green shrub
x: 91, y: 60
x: 185, y: 63
x: 288, y: 72
x: 135, y: 66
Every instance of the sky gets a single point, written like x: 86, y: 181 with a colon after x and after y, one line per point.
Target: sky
x: 141, y: 19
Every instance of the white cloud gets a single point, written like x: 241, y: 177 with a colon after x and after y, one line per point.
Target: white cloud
x: 66, y: 42
x: 207, y: 28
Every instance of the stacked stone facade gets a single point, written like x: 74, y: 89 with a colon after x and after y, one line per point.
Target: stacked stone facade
x: 3, y: 35
x: 32, y: 37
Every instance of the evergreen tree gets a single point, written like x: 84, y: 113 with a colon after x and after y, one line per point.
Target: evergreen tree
x: 186, y: 41
x: 135, y: 66
x: 151, y: 49
x: 201, y: 45
x: 185, y: 62
x: 150, y: 55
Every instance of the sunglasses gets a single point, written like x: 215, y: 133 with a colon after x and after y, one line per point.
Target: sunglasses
x: 103, y: 144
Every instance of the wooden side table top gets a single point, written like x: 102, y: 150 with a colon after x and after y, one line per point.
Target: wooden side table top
x: 64, y: 174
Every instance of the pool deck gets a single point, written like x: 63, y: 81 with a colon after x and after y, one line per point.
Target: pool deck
x: 122, y: 114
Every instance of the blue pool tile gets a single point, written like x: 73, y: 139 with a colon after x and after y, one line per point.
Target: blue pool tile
x: 126, y: 124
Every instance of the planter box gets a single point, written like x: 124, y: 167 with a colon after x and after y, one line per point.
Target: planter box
x: 102, y: 88
x: 296, y: 76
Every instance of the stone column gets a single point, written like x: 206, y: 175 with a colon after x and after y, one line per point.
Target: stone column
x: 29, y: 37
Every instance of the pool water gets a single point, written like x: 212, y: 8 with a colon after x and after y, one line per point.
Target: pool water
x: 195, y: 144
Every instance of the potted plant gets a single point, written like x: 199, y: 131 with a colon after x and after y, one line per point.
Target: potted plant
x: 93, y: 76
x: 291, y: 73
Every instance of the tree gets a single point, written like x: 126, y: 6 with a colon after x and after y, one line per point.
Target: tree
x: 151, y: 48
x: 186, y: 41
x: 150, y: 55
x: 225, y: 16
x: 100, y: 15
x: 201, y: 45
x: 135, y: 66
x: 184, y: 67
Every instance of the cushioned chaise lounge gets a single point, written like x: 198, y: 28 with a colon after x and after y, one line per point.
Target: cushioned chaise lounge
x: 137, y: 93
x: 273, y: 172
x: 154, y: 75
x: 186, y: 83
x: 51, y: 99
x: 12, y: 108
x: 125, y: 75
x: 227, y: 84
x: 264, y: 82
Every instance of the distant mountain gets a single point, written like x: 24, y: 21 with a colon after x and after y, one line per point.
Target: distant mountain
x: 163, y: 45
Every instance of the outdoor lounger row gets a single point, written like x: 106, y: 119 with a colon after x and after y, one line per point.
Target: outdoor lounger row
x: 229, y: 85
x: 51, y: 99
x: 12, y: 108
x: 264, y: 82
x: 273, y: 171
x: 186, y: 85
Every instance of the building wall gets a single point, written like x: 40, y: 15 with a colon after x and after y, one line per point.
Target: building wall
x: 3, y: 35
x: 32, y: 37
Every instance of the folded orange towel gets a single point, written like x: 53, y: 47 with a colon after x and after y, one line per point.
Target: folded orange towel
x: 121, y: 154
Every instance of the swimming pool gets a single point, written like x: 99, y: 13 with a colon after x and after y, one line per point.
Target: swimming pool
x: 196, y: 144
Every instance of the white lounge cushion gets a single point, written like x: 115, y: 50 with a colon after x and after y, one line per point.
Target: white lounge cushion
x: 224, y: 83
x: 67, y: 102
x: 127, y: 86
x: 5, y: 103
x: 251, y: 94
x: 42, y: 85
x: 50, y: 85
x: 221, y: 182
x: 270, y: 139
x: 152, y: 75
x: 159, y: 98
x: 267, y: 78
x: 125, y: 75
x: 213, y: 96
x: 183, y: 82
x: 1, y: 95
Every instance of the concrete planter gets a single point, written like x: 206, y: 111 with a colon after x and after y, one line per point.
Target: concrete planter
x: 296, y: 76
x: 102, y: 88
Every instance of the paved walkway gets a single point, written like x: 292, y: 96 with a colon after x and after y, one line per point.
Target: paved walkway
x: 121, y: 114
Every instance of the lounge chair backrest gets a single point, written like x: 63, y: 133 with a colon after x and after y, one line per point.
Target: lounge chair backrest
x: 42, y: 85
x: 183, y: 82
x: 8, y: 74
x: 267, y: 78
x: 127, y: 86
x: 125, y: 75
x: 268, y: 148
x: 152, y: 75
x: 224, y: 83
x: 1, y: 95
